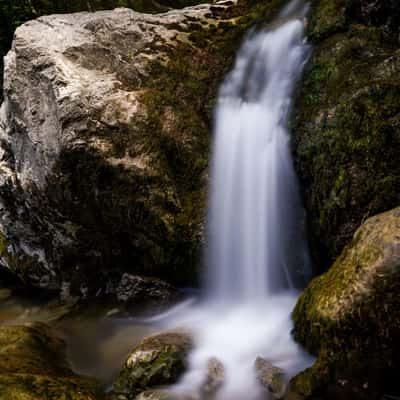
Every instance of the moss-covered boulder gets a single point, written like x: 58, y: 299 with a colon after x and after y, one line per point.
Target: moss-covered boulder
x: 157, y: 360
x: 350, y: 317
x: 105, y: 133
x: 33, y: 367
x: 346, y: 126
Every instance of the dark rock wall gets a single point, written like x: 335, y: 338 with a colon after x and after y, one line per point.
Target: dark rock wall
x: 346, y: 126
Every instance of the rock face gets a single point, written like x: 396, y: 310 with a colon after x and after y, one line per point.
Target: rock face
x: 33, y: 366
x: 346, y: 126
x: 104, y: 135
x: 350, y: 317
x: 157, y: 360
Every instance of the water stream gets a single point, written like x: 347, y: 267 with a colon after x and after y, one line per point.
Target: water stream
x: 256, y: 252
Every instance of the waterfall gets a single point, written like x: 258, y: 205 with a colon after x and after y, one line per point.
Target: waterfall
x: 256, y: 232
x: 256, y: 251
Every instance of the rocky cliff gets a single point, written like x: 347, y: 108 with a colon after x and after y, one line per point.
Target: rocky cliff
x: 105, y: 131
x: 346, y: 126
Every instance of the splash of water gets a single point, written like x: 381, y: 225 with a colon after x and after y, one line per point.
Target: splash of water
x: 257, y: 253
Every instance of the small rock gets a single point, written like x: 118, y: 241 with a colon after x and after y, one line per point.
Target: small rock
x: 133, y: 288
x: 271, y: 377
x: 163, y: 394
x: 157, y: 360
x: 215, y: 377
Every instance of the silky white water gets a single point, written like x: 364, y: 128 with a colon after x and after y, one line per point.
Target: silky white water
x: 256, y: 253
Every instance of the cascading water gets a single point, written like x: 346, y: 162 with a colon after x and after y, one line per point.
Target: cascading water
x: 256, y: 239
x: 256, y: 253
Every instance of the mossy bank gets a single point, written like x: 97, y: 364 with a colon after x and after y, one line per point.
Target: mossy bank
x: 33, y: 366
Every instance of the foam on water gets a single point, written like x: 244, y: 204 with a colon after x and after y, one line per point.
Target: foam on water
x: 256, y: 253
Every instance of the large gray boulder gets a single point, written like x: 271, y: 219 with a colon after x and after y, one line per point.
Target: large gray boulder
x: 104, y: 142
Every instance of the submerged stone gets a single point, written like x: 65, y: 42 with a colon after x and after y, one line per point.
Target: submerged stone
x: 215, y: 377
x: 271, y: 377
x: 350, y: 317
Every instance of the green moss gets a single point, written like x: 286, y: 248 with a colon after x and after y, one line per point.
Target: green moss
x: 328, y: 17
x: 33, y: 366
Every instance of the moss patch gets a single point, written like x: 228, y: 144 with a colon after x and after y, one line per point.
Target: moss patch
x: 33, y: 367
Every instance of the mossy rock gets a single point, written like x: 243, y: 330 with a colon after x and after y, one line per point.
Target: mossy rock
x: 33, y: 367
x: 350, y: 316
x: 346, y: 123
x: 157, y: 360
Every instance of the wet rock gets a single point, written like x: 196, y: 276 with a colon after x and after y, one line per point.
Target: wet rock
x: 33, y: 366
x: 133, y: 288
x: 271, y: 377
x: 162, y: 394
x: 157, y: 360
x: 155, y: 395
x: 350, y: 316
x: 215, y: 377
